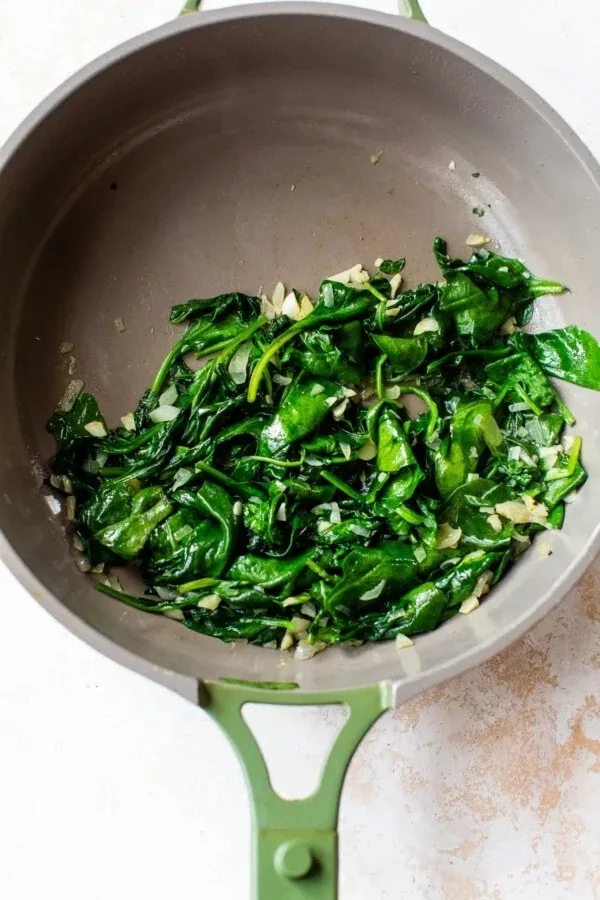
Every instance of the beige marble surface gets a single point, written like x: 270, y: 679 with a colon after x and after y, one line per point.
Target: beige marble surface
x: 486, y: 787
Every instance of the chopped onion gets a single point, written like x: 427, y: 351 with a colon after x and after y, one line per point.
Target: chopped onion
x: 346, y: 450
x: 66, y: 347
x: 368, y: 450
x: 278, y: 297
x: 307, y: 609
x: 165, y: 593
x: 543, y: 547
x: 291, y: 307
x: 267, y: 309
x: 477, y: 240
x: 96, y: 429
x: 62, y: 483
x: 447, y: 537
x: 128, y: 421
x: 341, y: 277
x: 78, y: 543
x: 281, y: 515
x: 392, y: 392
x: 306, y: 306
x: 323, y: 526
x: 114, y: 582
x: 164, y: 414
x: 395, y: 282
x: 182, y: 532
x: 510, y: 325
x: 119, y: 324
x: 305, y: 651
x: 468, y: 605
x: 238, y: 509
x: 358, y: 275
x: 518, y: 407
x: 238, y: 364
x: 281, y: 379
x: 313, y: 461
x: 378, y: 262
x: 331, y: 401
x: 316, y: 389
x: 212, y: 601
x: 520, y: 513
x: 168, y: 397
x: 340, y: 409
x: 335, y: 516
x: 176, y: 614
x: 300, y: 625
x: 374, y: 593
x: 495, y: 522
x: 287, y: 641
x: 359, y: 530
x: 292, y: 601
x: 348, y: 392
x: 420, y: 554
x: 486, y: 509
x: 452, y: 165
x: 514, y: 452
x: 482, y: 586
x: 182, y: 476
x: 403, y: 641
x: 546, y: 452
x: 535, y: 508
x: 71, y: 504
x: 426, y: 325
x: 568, y: 442
x: 529, y: 460
x: 83, y: 564
x: 74, y: 388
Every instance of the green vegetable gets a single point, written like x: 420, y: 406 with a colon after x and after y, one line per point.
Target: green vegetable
x: 339, y: 478
x: 569, y: 353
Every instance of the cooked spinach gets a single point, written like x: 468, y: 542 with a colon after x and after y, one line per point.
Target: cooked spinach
x: 289, y: 492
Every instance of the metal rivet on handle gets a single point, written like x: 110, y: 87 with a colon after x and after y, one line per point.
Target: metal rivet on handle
x: 293, y: 859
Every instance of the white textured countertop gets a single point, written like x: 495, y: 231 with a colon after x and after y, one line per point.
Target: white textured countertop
x: 111, y: 788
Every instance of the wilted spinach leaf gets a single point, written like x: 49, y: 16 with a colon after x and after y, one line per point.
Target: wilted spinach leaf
x: 355, y: 469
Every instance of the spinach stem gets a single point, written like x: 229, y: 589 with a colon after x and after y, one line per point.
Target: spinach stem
x: 565, y: 411
x: 316, y: 568
x: 341, y: 486
x: 268, y: 355
x: 428, y: 401
x: 237, y: 487
x: 160, y: 606
x: 284, y: 464
x: 379, y: 375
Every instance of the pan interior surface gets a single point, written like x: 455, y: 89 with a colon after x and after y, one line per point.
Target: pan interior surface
x: 169, y: 173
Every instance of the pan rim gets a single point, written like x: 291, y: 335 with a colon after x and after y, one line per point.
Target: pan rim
x: 407, y: 686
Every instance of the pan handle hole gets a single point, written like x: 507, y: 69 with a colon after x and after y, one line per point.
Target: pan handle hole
x: 295, y: 741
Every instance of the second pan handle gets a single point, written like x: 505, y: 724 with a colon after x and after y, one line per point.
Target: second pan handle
x: 409, y: 8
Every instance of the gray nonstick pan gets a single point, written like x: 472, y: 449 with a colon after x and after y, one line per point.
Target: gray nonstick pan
x: 148, y: 178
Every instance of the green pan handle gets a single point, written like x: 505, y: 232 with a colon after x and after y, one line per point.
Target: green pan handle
x: 295, y: 841
x: 409, y: 8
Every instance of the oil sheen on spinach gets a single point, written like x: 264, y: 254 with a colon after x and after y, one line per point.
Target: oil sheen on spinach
x: 356, y: 468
